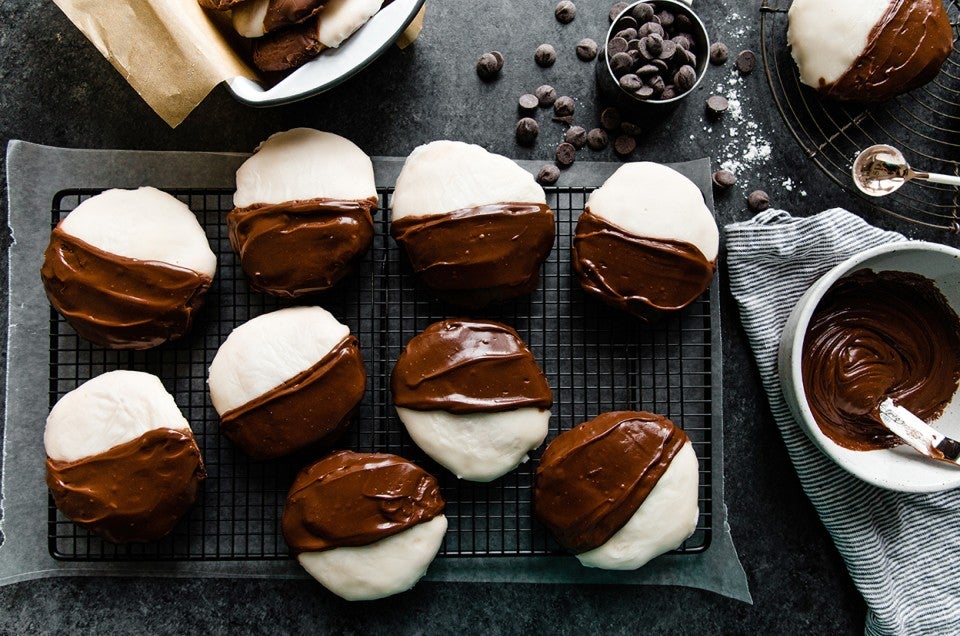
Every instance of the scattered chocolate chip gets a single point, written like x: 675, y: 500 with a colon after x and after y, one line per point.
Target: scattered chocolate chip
x: 576, y: 136
x: 564, y: 106
x: 545, y: 55
x: 566, y: 119
x: 719, y: 53
x: 566, y: 154
x: 610, y: 118
x: 621, y: 63
x: 546, y: 95
x: 597, y: 139
x: 685, y: 78
x: 499, y: 56
x: 527, y: 131
x: 617, y: 9
x: 630, y: 128
x: 717, y: 105
x: 488, y: 66
x: 586, y: 49
x: 630, y: 82
x: 758, y: 201
x: 746, y: 61
x: 724, y: 179
x: 666, y: 19
x: 643, y: 12
x: 616, y: 45
x: 528, y: 103
x: 624, y: 145
x: 548, y: 174
x: 565, y: 12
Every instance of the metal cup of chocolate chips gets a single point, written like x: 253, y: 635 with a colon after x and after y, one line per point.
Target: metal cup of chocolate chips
x: 669, y: 60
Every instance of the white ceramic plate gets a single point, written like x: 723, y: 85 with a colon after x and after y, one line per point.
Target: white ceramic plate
x: 900, y: 468
x: 333, y: 66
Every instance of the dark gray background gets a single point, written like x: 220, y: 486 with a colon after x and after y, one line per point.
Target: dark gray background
x: 58, y: 90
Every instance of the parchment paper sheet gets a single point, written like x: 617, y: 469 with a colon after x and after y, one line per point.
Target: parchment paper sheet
x: 34, y: 175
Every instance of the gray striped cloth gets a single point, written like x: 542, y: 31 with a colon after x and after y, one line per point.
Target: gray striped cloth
x: 902, y: 550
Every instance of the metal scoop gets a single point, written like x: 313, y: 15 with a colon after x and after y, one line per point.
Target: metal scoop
x: 881, y: 170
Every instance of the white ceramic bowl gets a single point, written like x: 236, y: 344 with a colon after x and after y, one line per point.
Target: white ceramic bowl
x: 333, y: 66
x: 900, y: 468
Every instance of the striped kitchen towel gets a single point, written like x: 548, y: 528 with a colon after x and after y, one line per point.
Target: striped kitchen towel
x: 902, y: 550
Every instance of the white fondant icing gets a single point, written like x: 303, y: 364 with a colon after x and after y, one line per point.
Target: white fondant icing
x: 146, y: 224
x: 477, y: 446
x: 341, y: 18
x: 304, y: 163
x: 386, y: 567
x: 248, y: 18
x: 662, y: 522
x: 444, y: 176
x: 650, y: 200
x: 826, y: 36
x: 106, y: 411
x: 263, y: 353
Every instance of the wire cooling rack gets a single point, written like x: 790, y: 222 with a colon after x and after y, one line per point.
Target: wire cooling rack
x: 595, y: 359
x: 924, y: 124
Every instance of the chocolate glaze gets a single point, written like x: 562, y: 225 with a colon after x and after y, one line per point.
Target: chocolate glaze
x: 136, y: 491
x: 281, y: 13
x: 594, y: 477
x: 645, y: 277
x: 467, y: 366
x: 905, y: 50
x: 354, y: 499
x: 873, y: 336
x: 288, y: 48
x: 313, y: 407
x: 301, y: 247
x: 119, y: 302
x: 475, y: 256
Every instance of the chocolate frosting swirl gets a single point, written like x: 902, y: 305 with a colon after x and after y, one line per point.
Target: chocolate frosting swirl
x: 135, y: 491
x: 354, y: 499
x: 478, y: 255
x: 594, y: 477
x: 313, y: 407
x: 645, y: 277
x: 467, y: 366
x: 119, y: 302
x: 281, y: 13
x: 873, y: 336
x: 300, y: 247
x: 905, y: 50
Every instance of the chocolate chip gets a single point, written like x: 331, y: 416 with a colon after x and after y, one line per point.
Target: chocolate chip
x: 624, y: 145
x: 488, y: 66
x: 546, y: 95
x: 643, y: 12
x: 566, y: 154
x: 564, y: 106
x: 597, y: 139
x: 576, y: 136
x: 528, y: 103
x: 758, y: 201
x: 630, y: 82
x: 617, y: 9
x: 616, y: 45
x: 746, y: 61
x: 499, y: 56
x: 626, y: 22
x: 668, y: 50
x: 724, y: 179
x: 610, y: 118
x: 691, y: 58
x: 683, y: 41
x: 685, y: 78
x: 566, y: 119
x: 657, y: 84
x: 654, y: 44
x: 682, y: 23
x: 666, y: 19
x: 650, y: 28
x: 627, y: 34
x: 621, y: 63
x: 660, y: 65
x: 630, y: 128
x: 717, y: 105
x: 645, y: 92
x: 545, y: 55
x: 647, y: 70
x: 565, y: 12
x: 548, y: 174
x: 669, y: 92
x: 586, y: 49
x: 719, y: 53
x: 527, y: 131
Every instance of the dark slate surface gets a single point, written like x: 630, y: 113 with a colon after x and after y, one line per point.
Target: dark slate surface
x: 58, y: 90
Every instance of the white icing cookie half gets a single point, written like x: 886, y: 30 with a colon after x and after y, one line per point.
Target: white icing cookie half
x: 341, y: 18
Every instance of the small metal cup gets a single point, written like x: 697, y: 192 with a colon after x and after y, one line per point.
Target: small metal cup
x: 609, y: 84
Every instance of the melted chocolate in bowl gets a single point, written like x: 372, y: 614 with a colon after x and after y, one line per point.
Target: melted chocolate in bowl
x: 873, y: 336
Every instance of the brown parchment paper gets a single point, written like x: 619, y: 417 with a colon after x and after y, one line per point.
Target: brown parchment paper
x: 167, y: 50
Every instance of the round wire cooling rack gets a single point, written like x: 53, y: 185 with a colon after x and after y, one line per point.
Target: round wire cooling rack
x: 924, y: 124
